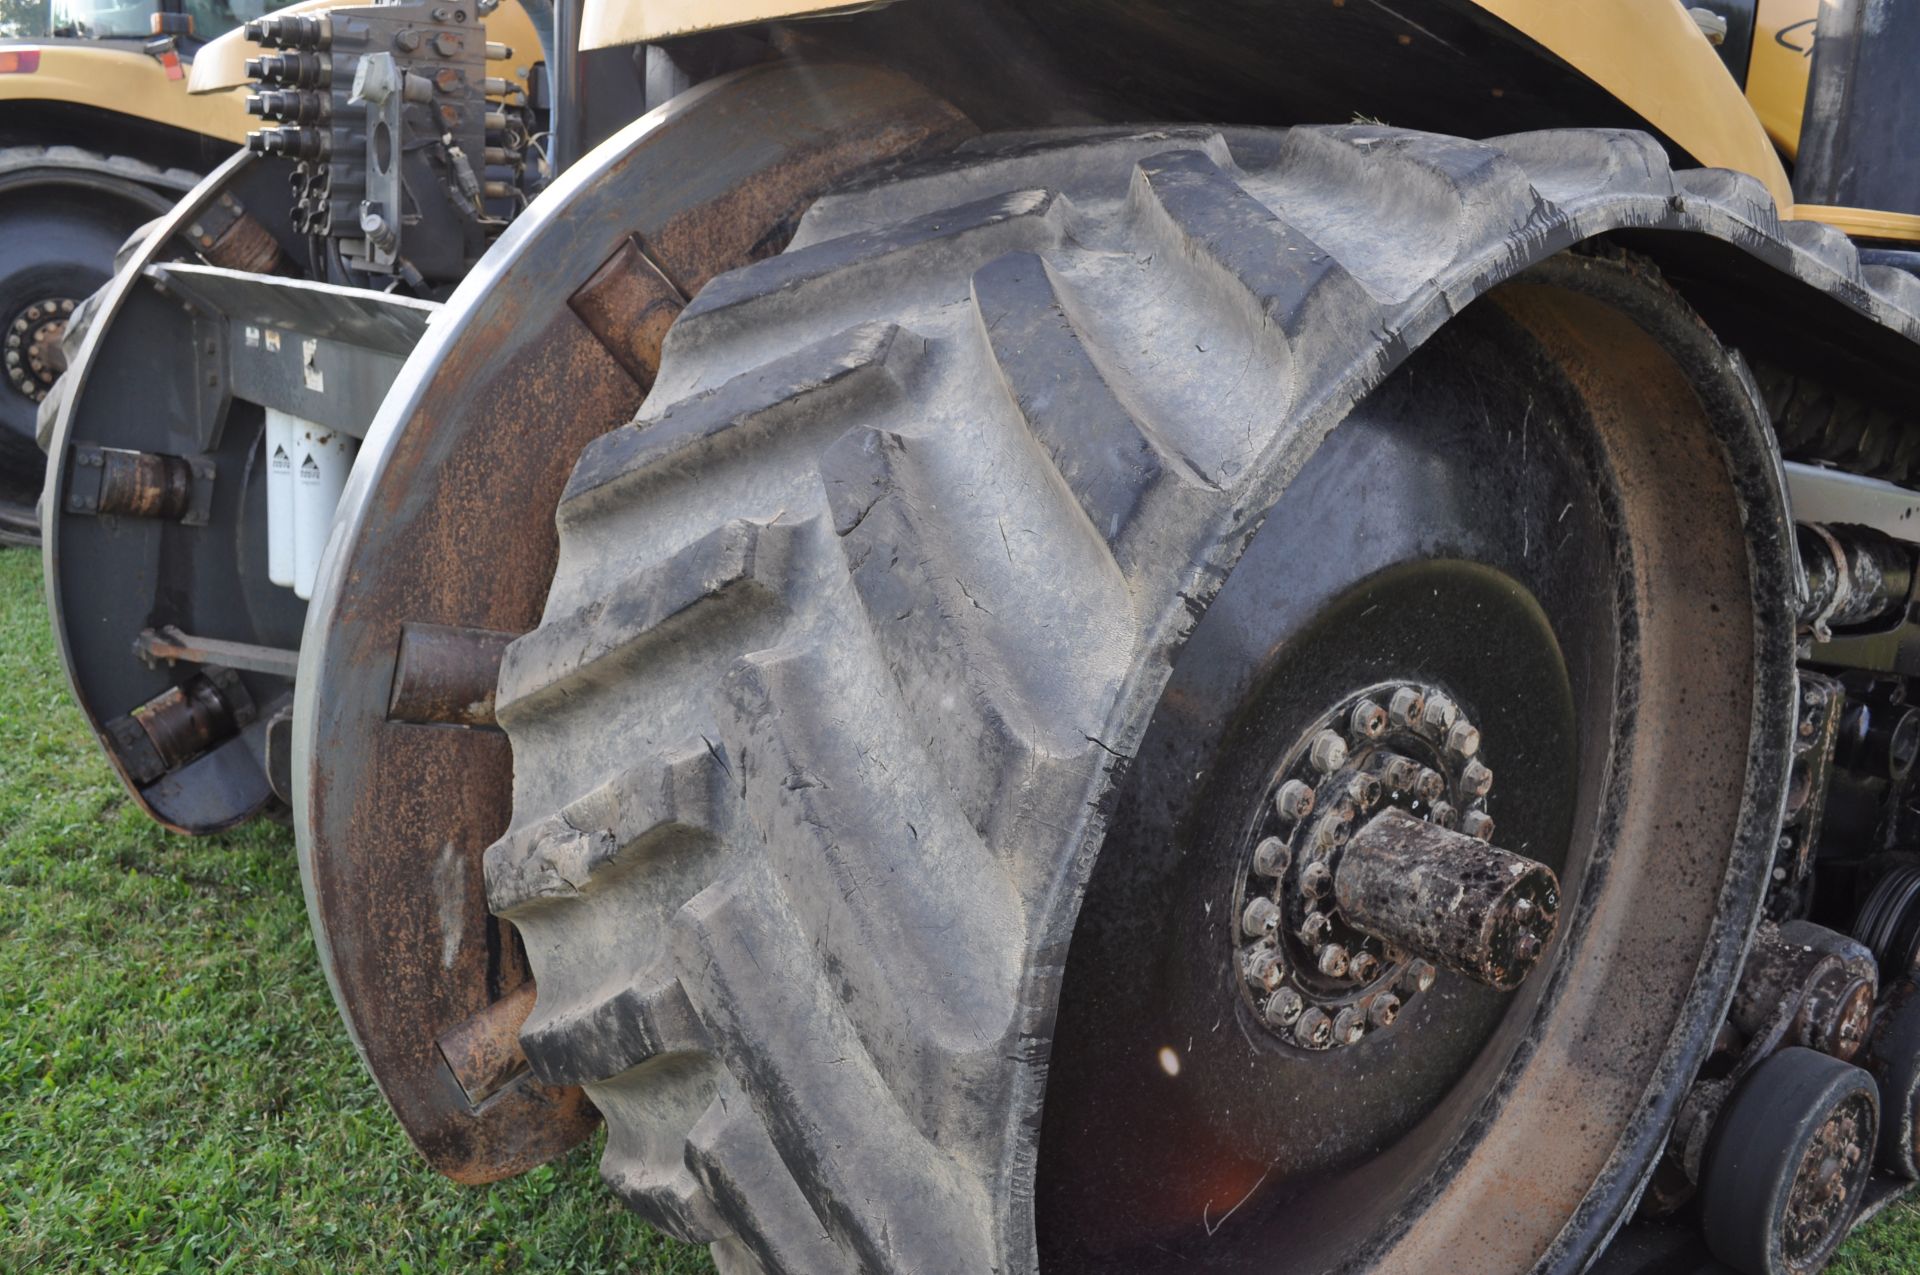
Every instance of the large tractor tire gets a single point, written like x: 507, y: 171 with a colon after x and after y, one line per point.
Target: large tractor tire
x: 64, y: 212
x: 1016, y: 605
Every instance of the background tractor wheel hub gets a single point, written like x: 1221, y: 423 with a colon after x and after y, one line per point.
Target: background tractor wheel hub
x: 32, y: 346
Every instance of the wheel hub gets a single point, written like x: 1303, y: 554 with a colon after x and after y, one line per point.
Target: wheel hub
x: 1374, y: 791
x: 1823, y: 1188
x: 33, y: 359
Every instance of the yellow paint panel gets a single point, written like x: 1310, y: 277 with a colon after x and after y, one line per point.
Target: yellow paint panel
x: 1650, y: 55
x: 1781, y: 63
x: 221, y: 64
x: 126, y: 81
x: 607, y: 23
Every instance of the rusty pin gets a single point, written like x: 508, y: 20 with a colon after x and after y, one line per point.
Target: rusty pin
x: 1447, y: 898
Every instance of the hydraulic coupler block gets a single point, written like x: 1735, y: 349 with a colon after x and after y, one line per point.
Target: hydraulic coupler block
x: 395, y: 126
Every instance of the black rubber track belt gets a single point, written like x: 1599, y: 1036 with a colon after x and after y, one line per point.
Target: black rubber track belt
x: 853, y: 625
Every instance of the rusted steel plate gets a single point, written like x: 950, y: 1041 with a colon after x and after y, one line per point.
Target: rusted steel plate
x: 448, y: 520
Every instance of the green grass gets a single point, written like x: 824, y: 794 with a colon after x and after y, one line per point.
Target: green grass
x: 176, y: 1091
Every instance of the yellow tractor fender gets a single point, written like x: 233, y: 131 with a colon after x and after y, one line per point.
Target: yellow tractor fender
x: 123, y: 80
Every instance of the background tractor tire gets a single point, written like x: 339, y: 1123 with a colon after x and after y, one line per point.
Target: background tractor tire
x: 64, y: 213
x: 858, y: 628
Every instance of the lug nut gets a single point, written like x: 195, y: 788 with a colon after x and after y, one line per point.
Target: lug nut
x: 1271, y: 857
x: 1406, y: 707
x: 1295, y: 799
x: 1400, y: 772
x: 1331, y: 832
x: 1313, y: 1029
x: 1313, y: 930
x: 1477, y: 823
x: 1362, y: 966
x: 1264, y: 969
x: 1463, y: 739
x: 1327, y: 752
x: 1444, y: 815
x: 1364, y: 791
x: 1429, y: 785
x: 1368, y: 719
x: 1333, y: 961
x: 1476, y: 779
x: 1284, y: 1007
x: 1417, y: 977
x: 1439, y: 716
x: 1349, y: 1026
x: 1261, y: 919
x: 1316, y: 879
x: 1384, y: 1009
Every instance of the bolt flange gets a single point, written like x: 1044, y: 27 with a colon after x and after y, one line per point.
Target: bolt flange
x: 1315, y: 974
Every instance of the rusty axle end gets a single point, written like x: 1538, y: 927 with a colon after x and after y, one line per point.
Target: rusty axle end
x: 1448, y: 898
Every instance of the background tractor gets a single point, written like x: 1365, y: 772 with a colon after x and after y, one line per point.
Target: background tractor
x: 99, y: 135
x: 1316, y: 683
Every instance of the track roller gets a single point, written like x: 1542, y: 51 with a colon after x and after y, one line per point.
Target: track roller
x: 1789, y: 1164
